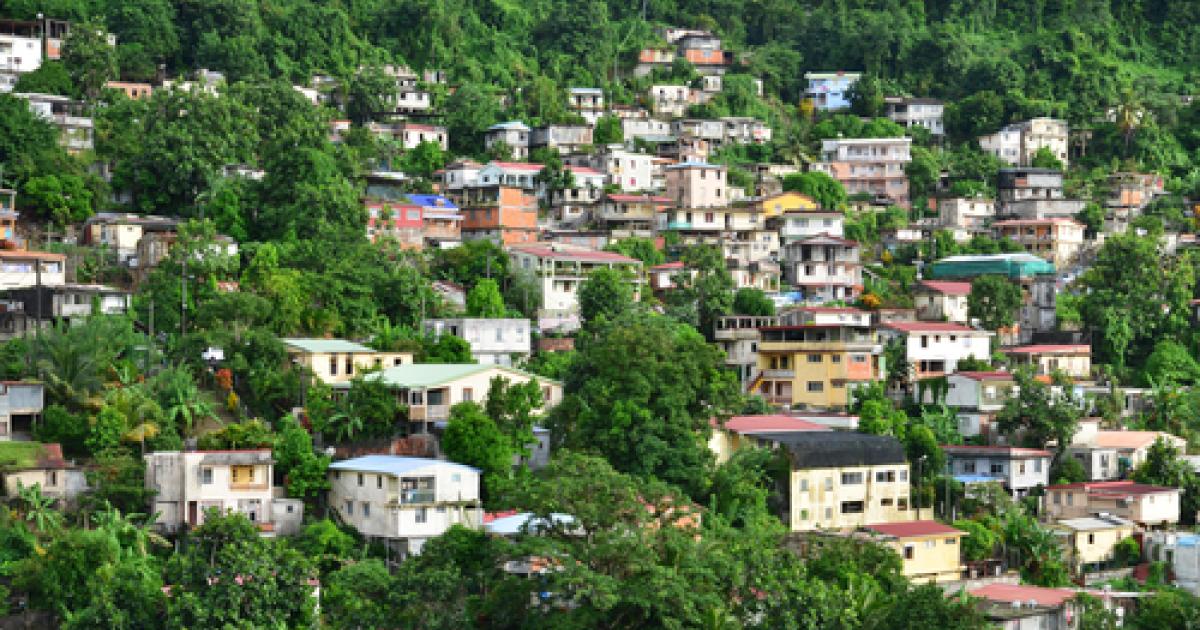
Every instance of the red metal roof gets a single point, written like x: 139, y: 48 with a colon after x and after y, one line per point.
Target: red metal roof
x: 930, y: 327
x: 584, y: 170
x: 914, y: 528
x: 1113, y: 488
x: 1009, y: 593
x: 773, y: 423
x: 1012, y: 451
x: 946, y: 287
x: 987, y: 376
x: 1050, y: 349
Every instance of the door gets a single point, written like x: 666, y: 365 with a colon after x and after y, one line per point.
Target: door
x: 192, y: 513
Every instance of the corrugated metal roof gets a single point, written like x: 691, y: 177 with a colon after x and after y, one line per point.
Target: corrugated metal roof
x: 325, y: 345
x: 394, y: 464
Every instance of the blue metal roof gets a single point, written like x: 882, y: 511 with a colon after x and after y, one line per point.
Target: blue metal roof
x: 393, y: 464
x: 432, y: 201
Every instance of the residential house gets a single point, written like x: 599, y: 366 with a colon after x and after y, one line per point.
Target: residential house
x: 404, y: 501
x: 1074, y: 360
x: 800, y: 224
x: 739, y: 432
x: 935, y: 348
x: 651, y: 58
x: 519, y: 175
x: 1016, y: 607
x: 20, y: 269
x: 398, y: 221
x: 410, y: 135
x: 430, y: 389
x: 132, y: 91
x: 697, y: 185
x: 1034, y: 193
x: 1181, y: 552
x: 587, y: 102
x: 1058, y: 240
x: 829, y: 90
x: 929, y: 550
x: 776, y: 206
x: 454, y: 295
x: 560, y: 270
x: 409, y: 97
x: 823, y: 268
x: 503, y: 214
x: 185, y: 485
x: 815, y: 357
x: 339, y: 361
x: 912, y: 112
x: 645, y: 128
x: 1129, y: 194
x: 1016, y: 144
x: 975, y: 397
x: 703, y: 50
x: 25, y: 44
x: 671, y: 100
x: 844, y: 480
x: 493, y: 341
x: 1110, y: 454
x: 513, y: 134
x: 627, y: 170
x: 744, y: 130
x: 972, y: 214
x: 1034, y: 275
x: 738, y: 337
x: 941, y: 300
x: 578, y: 205
x: 1019, y: 470
x: 21, y: 402
x: 562, y: 138
x: 869, y: 166
x: 29, y: 309
x: 458, y: 175
x: 76, y: 131
x: 1090, y: 541
x: 625, y: 215
x: 1145, y: 505
x: 27, y: 464
x: 121, y: 232
x: 441, y: 221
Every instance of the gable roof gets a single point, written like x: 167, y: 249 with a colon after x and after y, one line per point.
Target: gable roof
x: 769, y: 423
x: 1009, y: 593
x: 1127, y: 439
x: 914, y: 529
x: 393, y: 464
x: 413, y: 375
x: 315, y: 345
x: 946, y: 287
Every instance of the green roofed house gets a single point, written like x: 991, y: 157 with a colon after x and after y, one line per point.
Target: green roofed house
x: 339, y: 360
x: 430, y: 389
x: 1035, y: 276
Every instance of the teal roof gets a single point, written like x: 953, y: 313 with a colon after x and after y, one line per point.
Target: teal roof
x: 418, y: 375
x: 325, y: 345
x: 1019, y: 265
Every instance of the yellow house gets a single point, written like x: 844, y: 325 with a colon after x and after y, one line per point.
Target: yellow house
x: 843, y: 480
x: 772, y: 206
x: 931, y: 551
x: 1091, y: 540
x: 338, y: 360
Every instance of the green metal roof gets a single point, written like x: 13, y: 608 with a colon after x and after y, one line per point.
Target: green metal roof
x: 419, y: 375
x: 1018, y: 265
x: 317, y: 346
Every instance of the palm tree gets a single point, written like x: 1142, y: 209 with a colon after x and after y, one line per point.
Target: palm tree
x: 1129, y: 114
x: 39, y: 509
x: 180, y: 398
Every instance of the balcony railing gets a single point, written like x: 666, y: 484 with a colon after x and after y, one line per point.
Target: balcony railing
x: 417, y: 496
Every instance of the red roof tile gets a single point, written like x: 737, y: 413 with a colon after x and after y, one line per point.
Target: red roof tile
x: 947, y: 288
x: 930, y: 327
x: 1009, y: 593
x: 913, y: 529
x: 678, y: 264
x: 773, y: 423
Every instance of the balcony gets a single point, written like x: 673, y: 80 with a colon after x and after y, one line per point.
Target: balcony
x: 429, y: 413
x: 250, y: 485
x: 416, y: 496
x: 779, y: 374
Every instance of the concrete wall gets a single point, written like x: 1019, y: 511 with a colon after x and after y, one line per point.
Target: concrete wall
x: 818, y: 494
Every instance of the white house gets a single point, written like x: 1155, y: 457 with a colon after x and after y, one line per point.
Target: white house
x: 514, y: 134
x: 560, y: 270
x: 1019, y: 470
x: 941, y: 300
x: 493, y: 341
x: 404, y: 501
x: 830, y: 90
x: 186, y: 484
x: 935, y: 348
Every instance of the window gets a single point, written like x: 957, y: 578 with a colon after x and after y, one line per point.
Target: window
x: 333, y: 365
x: 349, y: 364
x: 456, y: 478
x: 997, y: 468
x: 901, y: 504
x: 1021, y: 468
x: 421, y: 515
x: 814, y: 358
x: 468, y: 395
x: 1037, y: 465
x: 816, y: 386
x: 360, y: 480
x: 924, y: 341
x: 885, y: 476
x: 53, y: 478
x: 828, y: 513
x: 349, y: 508
x: 836, y: 358
x: 709, y: 217
x: 206, y: 475
x: 951, y: 541
x: 379, y: 481
x: 1091, y: 539
x: 903, y: 474
x: 1056, y: 497
x: 366, y: 509
x: 1070, y: 499
x: 859, y: 358
x: 829, y: 483
x: 930, y: 544
x: 909, y: 552
x: 969, y: 467
x: 242, y: 474
x: 803, y: 485
x: 852, y: 478
x: 885, y: 502
x: 852, y: 507
x: 804, y: 515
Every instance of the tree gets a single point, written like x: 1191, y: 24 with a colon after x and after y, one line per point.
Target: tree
x: 447, y: 349
x: 1170, y: 363
x: 358, y: 596
x: 973, y: 116
x: 469, y: 111
x: 303, y: 470
x: 1164, y: 467
x: 994, y: 301
x: 1039, y: 413
x: 608, y: 131
x: 704, y: 287
x: 1045, y: 158
x: 89, y: 59
x: 980, y: 541
x: 484, y: 300
x: 423, y: 160
x: 866, y: 97
x: 472, y: 438
x: 751, y: 301
x: 605, y: 295
x: 825, y: 190
x: 555, y: 177
x: 642, y: 393
x: 369, y: 93
x: 512, y: 408
x: 640, y: 248
x: 924, y: 172
x: 50, y: 78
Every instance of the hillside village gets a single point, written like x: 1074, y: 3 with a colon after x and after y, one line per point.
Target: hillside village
x: 362, y: 343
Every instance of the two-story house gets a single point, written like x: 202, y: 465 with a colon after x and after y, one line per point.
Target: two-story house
x: 1056, y: 239
x: 562, y: 138
x: 187, y: 484
x: 737, y: 432
x: 430, y: 389
x: 971, y: 214
x: 975, y: 397
x: 871, y: 166
x: 338, y: 360
x: 20, y: 403
x: 935, y: 348
x: 815, y: 357
x: 1019, y: 607
x: 560, y: 269
x: 587, y: 102
x: 1146, y: 505
x: 504, y: 214
x: 493, y: 341
x: 697, y: 185
x: 829, y: 90
x: 1107, y: 454
x: 512, y: 134
x: 1018, y: 143
x: 941, y: 301
x: 1019, y: 470
x: 916, y: 112
x: 844, y: 480
x: 29, y: 309
x: 625, y: 215
x: 1091, y: 541
x: 823, y: 268
x: 404, y: 501
x: 929, y: 550
x: 1074, y: 359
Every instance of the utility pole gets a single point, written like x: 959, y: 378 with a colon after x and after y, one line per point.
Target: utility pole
x: 183, y: 298
x: 150, y: 347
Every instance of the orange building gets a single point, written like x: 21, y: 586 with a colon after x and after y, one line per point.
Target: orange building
x: 503, y: 214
